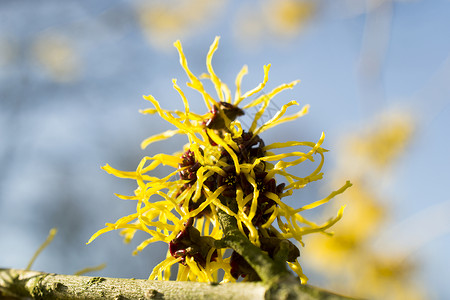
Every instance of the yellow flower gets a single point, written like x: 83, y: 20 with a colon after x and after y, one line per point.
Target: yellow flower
x: 162, y: 21
x: 361, y: 225
x: 353, y: 261
x: 223, y: 168
x: 282, y: 20
x: 57, y: 56
x: 381, y: 142
x: 288, y: 17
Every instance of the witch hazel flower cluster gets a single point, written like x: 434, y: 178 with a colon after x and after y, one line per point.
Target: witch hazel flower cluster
x: 224, y: 169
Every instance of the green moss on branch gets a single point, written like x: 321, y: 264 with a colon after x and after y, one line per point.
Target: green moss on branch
x: 22, y: 284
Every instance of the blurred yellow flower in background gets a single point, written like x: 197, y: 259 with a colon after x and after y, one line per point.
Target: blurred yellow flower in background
x: 287, y: 17
x: 381, y: 143
x: 349, y: 260
x: 363, y: 215
x: 56, y: 54
x: 163, y: 22
x: 271, y: 19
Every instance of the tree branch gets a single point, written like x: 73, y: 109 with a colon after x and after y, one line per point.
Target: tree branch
x: 21, y: 284
x: 267, y: 269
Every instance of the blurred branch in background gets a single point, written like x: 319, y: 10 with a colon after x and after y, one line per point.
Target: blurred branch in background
x: 376, y: 37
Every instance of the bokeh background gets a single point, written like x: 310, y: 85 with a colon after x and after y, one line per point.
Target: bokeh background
x: 376, y: 74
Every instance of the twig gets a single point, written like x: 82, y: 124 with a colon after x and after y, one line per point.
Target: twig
x: 22, y: 284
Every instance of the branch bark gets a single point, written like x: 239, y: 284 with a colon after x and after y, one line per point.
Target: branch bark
x: 21, y: 284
